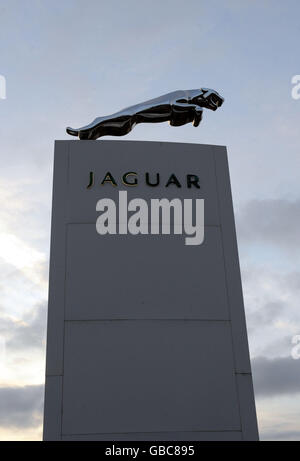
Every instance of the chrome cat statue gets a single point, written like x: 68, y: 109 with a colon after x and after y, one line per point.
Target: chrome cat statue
x: 177, y: 108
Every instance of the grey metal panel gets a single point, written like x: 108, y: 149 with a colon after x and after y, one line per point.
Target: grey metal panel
x: 53, y: 408
x: 149, y: 376
x: 119, y: 157
x: 138, y: 276
x: 247, y: 406
x: 71, y: 245
x: 224, y: 436
x: 235, y: 297
x: 231, y: 261
x: 55, y: 324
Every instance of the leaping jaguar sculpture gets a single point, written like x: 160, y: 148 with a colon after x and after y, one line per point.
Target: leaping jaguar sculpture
x: 177, y: 108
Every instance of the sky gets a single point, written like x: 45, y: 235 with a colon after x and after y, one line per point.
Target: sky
x: 66, y: 63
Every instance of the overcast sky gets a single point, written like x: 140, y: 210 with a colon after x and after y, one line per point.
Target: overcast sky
x: 66, y: 62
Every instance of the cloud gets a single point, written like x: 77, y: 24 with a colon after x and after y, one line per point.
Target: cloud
x: 270, y: 296
x: 276, y: 376
x: 22, y: 346
x: 280, y: 435
x: 266, y: 314
x: 25, y: 213
x: 21, y: 407
x: 274, y: 222
x: 272, y: 308
x: 21, y: 289
x: 30, y: 332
